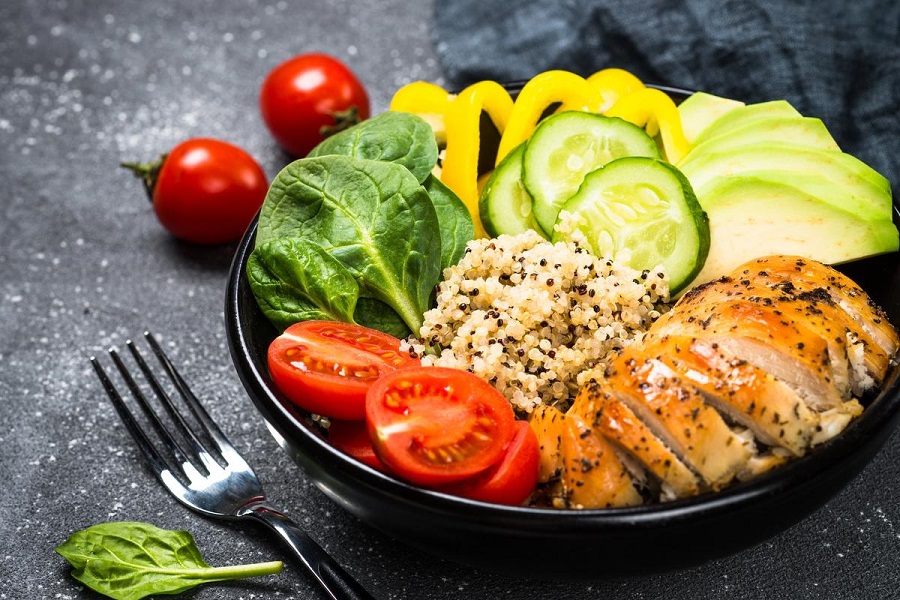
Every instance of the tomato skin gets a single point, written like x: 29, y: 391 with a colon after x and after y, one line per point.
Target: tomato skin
x: 302, y: 95
x: 433, y: 425
x: 326, y: 367
x: 207, y: 191
x: 510, y: 481
x: 352, y: 438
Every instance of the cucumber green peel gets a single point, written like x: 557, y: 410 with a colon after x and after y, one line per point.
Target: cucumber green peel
x: 642, y: 211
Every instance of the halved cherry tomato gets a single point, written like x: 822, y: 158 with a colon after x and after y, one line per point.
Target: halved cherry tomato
x: 432, y: 425
x: 326, y: 367
x: 510, y: 481
x: 352, y: 437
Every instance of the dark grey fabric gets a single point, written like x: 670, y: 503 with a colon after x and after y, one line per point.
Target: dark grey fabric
x: 832, y: 59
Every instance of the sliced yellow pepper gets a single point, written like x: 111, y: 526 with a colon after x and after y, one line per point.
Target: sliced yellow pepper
x: 570, y: 90
x: 614, y: 84
x: 656, y: 112
x: 459, y: 170
x: 428, y: 101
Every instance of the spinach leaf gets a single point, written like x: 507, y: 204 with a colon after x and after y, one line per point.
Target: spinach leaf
x: 392, y: 136
x: 454, y: 220
x: 129, y: 561
x: 378, y: 315
x: 294, y: 279
x: 372, y: 216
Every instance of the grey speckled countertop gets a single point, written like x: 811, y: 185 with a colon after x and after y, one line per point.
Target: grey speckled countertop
x: 84, y: 264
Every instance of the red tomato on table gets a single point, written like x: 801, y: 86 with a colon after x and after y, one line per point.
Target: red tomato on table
x: 204, y: 190
x: 352, y: 438
x: 326, y: 367
x: 309, y: 96
x: 432, y: 425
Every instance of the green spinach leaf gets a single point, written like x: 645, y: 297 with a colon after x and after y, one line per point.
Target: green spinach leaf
x: 392, y: 136
x: 129, y: 561
x: 295, y: 280
x: 372, y: 216
x: 454, y: 219
x: 378, y: 315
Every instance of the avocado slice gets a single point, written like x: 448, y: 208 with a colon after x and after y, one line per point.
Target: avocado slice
x: 751, y: 218
x: 744, y: 115
x: 836, y: 167
x: 700, y: 110
x: 859, y: 202
x: 801, y: 131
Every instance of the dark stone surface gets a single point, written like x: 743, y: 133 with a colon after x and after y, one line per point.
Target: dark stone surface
x: 84, y: 265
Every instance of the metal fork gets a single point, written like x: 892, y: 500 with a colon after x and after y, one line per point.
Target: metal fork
x: 207, y: 474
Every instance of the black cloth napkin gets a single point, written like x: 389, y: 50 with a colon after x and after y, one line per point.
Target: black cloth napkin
x: 832, y: 59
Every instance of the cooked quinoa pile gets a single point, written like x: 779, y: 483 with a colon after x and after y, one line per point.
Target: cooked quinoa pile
x: 536, y: 318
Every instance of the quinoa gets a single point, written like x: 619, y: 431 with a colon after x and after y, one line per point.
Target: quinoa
x: 534, y: 318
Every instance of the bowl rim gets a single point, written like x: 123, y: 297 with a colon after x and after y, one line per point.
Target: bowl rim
x: 791, y: 477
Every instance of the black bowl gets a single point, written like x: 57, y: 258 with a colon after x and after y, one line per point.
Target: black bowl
x: 553, y: 543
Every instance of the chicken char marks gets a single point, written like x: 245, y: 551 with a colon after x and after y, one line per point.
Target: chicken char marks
x: 743, y: 374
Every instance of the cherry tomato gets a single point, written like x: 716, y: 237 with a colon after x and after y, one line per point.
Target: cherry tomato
x: 326, y: 367
x: 432, y: 425
x: 308, y: 97
x: 204, y: 191
x: 352, y: 437
x: 510, y: 481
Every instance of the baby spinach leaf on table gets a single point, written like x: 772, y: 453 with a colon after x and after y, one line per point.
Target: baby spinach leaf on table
x: 392, y: 136
x: 129, y: 561
x: 378, y: 315
x: 372, y: 216
x: 294, y: 280
x: 454, y: 219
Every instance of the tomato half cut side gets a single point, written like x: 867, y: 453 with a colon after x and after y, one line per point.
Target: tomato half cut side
x: 326, y: 367
x: 352, y: 438
x: 512, y: 480
x: 432, y: 425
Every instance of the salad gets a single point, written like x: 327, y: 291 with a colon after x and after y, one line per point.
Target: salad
x: 461, y: 277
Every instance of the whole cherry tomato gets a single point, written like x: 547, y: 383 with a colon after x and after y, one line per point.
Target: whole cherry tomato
x: 308, y: 97
x: 204, y: 190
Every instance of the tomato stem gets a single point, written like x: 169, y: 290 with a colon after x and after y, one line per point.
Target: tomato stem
x: 343, y: 119
x: 148, y: 173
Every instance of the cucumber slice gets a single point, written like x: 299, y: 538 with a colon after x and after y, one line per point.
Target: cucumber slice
x: 567, y: 146
x: 644, y: 212
x: 505, y: 205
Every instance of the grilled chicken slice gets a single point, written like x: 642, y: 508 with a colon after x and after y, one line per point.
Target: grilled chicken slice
x: 620, y: 426
x: 808, y: 275
x: 548, y: 424
x: 854, y: 353
x: 745, y: 394
x: 594, y: 475
x: 677, y: 414
x: 767, y: 338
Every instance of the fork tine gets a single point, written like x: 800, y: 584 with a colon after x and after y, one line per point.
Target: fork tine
x: 196, y: 444
x: 157, y: 463
x: 212, y: 430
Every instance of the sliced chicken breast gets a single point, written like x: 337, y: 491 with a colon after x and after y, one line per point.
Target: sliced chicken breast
x: 620, y: 426
x: 865, y: 365
x: 593, y: 474
x: 767, y: 338
x: 808, y: 275
x: 745, y: 394
x: 677, y: 414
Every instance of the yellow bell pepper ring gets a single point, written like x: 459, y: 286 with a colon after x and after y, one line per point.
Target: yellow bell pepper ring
x: 614, y: 84
x: 571, y: 91
x: 656, y: 112
x: 459, y: 170
x: 426, y: 100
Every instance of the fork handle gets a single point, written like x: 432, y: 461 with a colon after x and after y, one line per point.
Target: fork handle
x: 339, y: 584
